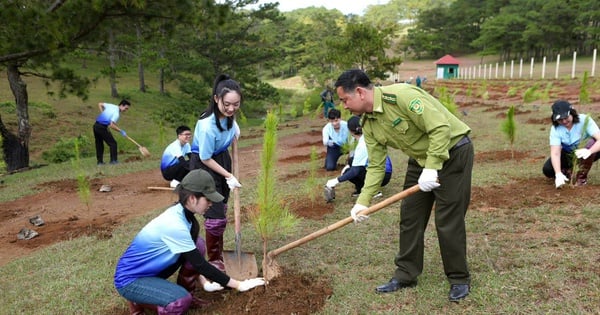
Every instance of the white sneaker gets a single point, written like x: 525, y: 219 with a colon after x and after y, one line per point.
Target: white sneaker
x: 378, y: 195
x: 174, y: 183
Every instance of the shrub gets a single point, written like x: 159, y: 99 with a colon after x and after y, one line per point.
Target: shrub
x: 64, y: 150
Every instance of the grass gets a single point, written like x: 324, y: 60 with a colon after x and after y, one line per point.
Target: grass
x: 541, y: 260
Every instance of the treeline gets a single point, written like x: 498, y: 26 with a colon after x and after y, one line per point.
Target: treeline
x: 507, y: 28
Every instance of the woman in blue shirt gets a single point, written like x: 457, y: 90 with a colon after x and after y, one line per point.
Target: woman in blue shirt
x: 214, y: 133
x: 568, y: 134
x: 170, y: 242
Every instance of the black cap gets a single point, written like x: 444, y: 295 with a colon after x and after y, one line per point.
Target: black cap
x: 200, y: 181
x: 560, y: 110
x: 354, y: 125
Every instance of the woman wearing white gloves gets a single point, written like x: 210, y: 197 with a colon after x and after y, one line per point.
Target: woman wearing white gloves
x: 568, y: 134
x: 215, y: 132
x: 170, y: 242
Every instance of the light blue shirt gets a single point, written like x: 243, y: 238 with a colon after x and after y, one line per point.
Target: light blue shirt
x: 570, y: 139
x: 172, y: 153
x: 361, y: 156
x: 157, y: 246
x: 109, y: 114
x: 208, y: 141
x: 338, y: 137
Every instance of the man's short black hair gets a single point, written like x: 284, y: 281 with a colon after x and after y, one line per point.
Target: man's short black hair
x: 124, y: 102
x: 181, y: 129
x: 334, y: 114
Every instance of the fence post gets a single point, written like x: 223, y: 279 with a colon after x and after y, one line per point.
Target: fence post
x: 594, y: 63
x: 521, y: 68
x: 512, y: 68
x: 557, y: 66
x: 544, y: 67
x: 531, y: 69
x: 574, y: 63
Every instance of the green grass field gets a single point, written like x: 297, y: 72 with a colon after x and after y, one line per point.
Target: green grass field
x: 529, y: 260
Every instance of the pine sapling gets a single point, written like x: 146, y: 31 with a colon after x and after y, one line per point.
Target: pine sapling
x: 509, y: 128
x: 271, y: 216
x: 83, y: 184
x: 584, y: 93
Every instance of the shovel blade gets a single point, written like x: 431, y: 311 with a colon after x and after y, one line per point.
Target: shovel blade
x: 240, y: 266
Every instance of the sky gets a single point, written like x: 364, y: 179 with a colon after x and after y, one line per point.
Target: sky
x: 345, y: 6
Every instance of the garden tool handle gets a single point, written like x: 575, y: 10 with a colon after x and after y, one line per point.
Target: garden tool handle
x: 236, y: 191
x: 374, y: 208
x: 128, y: 137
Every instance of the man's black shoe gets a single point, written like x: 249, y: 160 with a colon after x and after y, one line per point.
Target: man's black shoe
x: 458, y: 292
x: 394, y: 285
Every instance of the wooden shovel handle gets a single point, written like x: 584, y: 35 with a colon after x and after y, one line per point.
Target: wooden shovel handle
x: 372, y: 209
x: 128, y: 137
x: 236, y: 192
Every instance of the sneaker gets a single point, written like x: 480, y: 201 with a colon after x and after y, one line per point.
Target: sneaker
x: 114, y: 162
x: 174, y: 183
x: 378, y: 195
x: 100, y: 163
x: 356, y: 194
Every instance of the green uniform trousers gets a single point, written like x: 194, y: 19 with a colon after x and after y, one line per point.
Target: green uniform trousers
x: 451, y: 202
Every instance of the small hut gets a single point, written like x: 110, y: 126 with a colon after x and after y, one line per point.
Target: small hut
x: 447, y: 67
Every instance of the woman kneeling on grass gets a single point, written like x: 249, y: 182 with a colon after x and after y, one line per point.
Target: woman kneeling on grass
x: 170, y: 242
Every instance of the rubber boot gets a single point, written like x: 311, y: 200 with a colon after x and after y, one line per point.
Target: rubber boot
x: 584, y: 169
x: 177, y: 307
x: 188, y: 277
x: 214, y: 241
x: 139, y: 309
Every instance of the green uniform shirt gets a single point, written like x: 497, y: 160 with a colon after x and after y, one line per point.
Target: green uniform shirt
x: 410, y: 119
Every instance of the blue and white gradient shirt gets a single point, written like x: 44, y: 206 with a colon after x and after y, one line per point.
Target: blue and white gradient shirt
x: 109, y: 114
x: 570, y: 139
x: 208, y: 141
x: 157, y: 246
x: 172, y: 153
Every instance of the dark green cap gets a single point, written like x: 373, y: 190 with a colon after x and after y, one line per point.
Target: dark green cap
x: 200, y: 181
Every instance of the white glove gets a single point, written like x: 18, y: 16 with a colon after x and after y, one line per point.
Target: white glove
x: 354, y: 213
x: 232, y: 182
x: 250, y: 283
x: 583, y: 153
x: 332, y: 182
x: 330, y: 143
x: 428, y: 179
x: 212, y: 286
x: 344, y: 169
x: 560, y: 179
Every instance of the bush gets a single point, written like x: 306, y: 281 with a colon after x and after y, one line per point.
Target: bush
x: 64, y: 150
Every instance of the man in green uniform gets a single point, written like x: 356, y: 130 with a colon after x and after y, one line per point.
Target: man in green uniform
x: 440, y: 152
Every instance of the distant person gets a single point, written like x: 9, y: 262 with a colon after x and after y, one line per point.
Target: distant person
x: 568, y: 134
x: 404, y: 117
x: 215, y: 132
x: 418, y: 81
x: 169, y: 242
x: 175, y: 163
x: 356, y: 170
x: 335, y: 135
x: 109, y: 115
x: 327, y: 99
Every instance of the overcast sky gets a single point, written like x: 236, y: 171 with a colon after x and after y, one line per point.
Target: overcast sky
x: 345, y: 6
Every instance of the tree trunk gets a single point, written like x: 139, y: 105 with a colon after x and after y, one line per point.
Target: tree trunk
x: 16, y: 147
x: 113, y: 68
x: 138, y: 32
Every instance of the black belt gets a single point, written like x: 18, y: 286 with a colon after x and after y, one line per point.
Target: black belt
x: 464, y: 140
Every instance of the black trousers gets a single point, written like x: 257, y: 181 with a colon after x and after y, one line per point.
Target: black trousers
x: 177, y: 171
x: 217, y: 210
x: 101, y: 135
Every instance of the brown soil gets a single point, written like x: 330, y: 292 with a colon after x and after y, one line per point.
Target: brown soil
x: 292, y: 293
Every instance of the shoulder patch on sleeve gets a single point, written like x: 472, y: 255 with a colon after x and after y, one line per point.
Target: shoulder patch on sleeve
x: 416, y: 106
x: 389, y: 98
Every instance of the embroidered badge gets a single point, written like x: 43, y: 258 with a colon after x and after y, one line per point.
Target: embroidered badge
x: 416, y: 106
x: 389, y: 98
